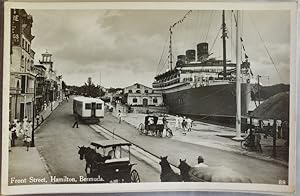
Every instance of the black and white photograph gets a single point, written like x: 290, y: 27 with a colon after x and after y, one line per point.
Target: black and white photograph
x: 163, y: 96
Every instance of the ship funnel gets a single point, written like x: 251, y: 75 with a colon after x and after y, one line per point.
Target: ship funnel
x: 190, y: 55
x: 181, y: 60
x: 202, y: 51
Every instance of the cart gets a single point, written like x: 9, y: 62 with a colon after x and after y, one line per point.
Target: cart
x: 117, y: 168
x: 151, y: 127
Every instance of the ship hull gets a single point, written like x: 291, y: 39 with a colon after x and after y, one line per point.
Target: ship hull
x: 210, y: 102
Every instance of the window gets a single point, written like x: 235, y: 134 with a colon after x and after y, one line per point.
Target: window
x: 146, y: 91
x: 154, y: 100
x: 134, y: 100
x: 99, y: 106
x: 129, y: 91
x: 88, y: 106
x: 138, y: 91
x: 137, y: 85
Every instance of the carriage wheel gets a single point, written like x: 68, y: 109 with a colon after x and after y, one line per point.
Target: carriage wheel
x: 134, y: 176
x: 243, y: 145
x: 141, y: 128
x: 169, y: 133
x: 159, y: 134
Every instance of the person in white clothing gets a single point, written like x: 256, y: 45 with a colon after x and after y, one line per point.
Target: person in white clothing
x: 189, y: 124
x: 180, y: 122
x: 28, y: 135
x: 176, y: 122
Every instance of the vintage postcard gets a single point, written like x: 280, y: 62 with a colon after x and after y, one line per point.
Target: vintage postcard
x: 116, y: 97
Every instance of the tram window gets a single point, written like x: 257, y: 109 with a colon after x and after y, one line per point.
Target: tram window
x: 88, y: 106
x: 134, y: 100
x: 99, y: 106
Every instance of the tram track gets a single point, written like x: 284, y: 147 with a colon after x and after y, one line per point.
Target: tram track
x: 136, y: 150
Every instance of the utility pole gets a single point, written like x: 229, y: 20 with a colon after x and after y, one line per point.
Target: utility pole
x: 258, y: 85
x: 238, y: 79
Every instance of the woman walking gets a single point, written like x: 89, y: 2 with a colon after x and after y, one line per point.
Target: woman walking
x: 27, y: 135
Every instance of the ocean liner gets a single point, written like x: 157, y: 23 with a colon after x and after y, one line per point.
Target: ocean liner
x: 203, y: 86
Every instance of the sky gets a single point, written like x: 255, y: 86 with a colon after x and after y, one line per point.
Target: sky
x: 122, y: 47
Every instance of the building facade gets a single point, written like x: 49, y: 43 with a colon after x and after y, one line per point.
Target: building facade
x: 22, y: 74
x: 141, y: 95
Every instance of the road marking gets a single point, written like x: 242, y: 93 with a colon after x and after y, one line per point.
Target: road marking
x: 137, y: 151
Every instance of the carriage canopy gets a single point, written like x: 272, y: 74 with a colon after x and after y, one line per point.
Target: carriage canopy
x: 110, y: 143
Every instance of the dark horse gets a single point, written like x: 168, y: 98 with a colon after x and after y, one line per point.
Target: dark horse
x: 167, y: 174
x: 210, y: 174
x: 91, y: 157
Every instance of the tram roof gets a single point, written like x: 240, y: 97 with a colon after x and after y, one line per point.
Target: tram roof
x: 88, y: 99
x: 110, y: 143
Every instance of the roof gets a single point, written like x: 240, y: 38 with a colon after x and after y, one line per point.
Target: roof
x: 88, y: 99
x: 110, y: 143
x: 136, y: 84
x: 276, y: 107
x: 41, y: 66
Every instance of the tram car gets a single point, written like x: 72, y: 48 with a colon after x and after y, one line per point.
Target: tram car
x: 88, y: 109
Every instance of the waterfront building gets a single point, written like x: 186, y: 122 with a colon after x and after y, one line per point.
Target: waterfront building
x: 141, y: 95
x: 22, y: 74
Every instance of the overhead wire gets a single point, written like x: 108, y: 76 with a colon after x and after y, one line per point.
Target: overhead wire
x: 265, y: 47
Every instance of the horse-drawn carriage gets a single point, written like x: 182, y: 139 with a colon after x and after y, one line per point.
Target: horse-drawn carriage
x: 151, y: 127
x: 109, y: 166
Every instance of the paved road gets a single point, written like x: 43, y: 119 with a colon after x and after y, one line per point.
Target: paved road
x: 57, y: 142
x: 259, y: 171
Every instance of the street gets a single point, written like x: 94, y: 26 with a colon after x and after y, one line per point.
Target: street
x: 57, y: 143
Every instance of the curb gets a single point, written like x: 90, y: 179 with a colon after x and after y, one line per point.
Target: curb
x: 267, y: 158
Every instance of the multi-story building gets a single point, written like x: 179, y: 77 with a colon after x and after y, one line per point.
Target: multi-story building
x: 53, y: 81
x: 141, y: 95
x: 40, y: 87
x: 22, y: 74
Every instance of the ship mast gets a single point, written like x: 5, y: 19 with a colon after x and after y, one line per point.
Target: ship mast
x: 170, y: 49
x: 238, y: 78
x: 224, y: 35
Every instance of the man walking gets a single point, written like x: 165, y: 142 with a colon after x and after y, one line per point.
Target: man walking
x: 76, y: 121
x: 120, y: 117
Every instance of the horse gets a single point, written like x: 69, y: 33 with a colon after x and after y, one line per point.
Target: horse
x: 167, y: 174
x: 91, y: 157
x: 210, y: 174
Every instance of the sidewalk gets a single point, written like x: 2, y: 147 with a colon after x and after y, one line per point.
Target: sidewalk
x: 46, y: 112
x: 214, y: 136
x: 26, y: 166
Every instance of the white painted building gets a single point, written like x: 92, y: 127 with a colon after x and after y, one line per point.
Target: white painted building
x: 141, y: 95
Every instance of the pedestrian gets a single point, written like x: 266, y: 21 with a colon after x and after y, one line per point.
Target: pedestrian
x: 176, y: 122
x: 13, y: 135
x: 76, y: 121
x: 200, y: 162
x: 183, y: 124
x: 28, y: 135
x: 10, y: 137
x: 25, y: 123
x: 189, y: 124
x: 42, y: 118
x: 19, y: 130
x: 180, y: 119
x: 37, y: 120
x: 257, y: 142
x: 120, y: 117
